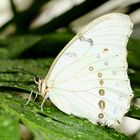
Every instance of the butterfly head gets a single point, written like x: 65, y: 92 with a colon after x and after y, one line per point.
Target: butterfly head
x: 42, y: 87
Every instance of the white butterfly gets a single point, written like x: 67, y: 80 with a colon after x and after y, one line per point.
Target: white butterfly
x: 89, y: 77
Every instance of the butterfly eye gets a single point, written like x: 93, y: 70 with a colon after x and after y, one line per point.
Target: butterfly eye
x: 36, y: 79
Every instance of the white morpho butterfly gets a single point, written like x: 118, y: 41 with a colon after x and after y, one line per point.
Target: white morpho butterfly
x: 89, y: 77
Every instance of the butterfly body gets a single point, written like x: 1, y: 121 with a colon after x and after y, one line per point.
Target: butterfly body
x: 89, y: 77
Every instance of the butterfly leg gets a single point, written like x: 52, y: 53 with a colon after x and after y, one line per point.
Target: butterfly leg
x: 46, y: 96
x: 29, y: 99
x: 35, y: 96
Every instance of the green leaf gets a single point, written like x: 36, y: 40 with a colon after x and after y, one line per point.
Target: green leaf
x: 136, y: 93
x: 9, y: 126
x: 134, y: 77
x: 33, y: 46
x: 134, y: 112
x: 134, y: 54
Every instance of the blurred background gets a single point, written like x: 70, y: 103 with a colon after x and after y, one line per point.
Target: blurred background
x: 41, y: 28
x: 46, y: 16
x: 57, y: 21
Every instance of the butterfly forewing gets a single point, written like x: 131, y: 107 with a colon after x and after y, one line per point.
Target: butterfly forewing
x: 89, y: 77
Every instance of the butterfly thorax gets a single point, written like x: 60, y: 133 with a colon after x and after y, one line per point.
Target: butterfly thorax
x: 42, y: 86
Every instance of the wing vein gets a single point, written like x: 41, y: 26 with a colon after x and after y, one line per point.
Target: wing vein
x: 99, y: 87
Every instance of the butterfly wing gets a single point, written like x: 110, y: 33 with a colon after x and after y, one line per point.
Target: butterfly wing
x: 89, y: 77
